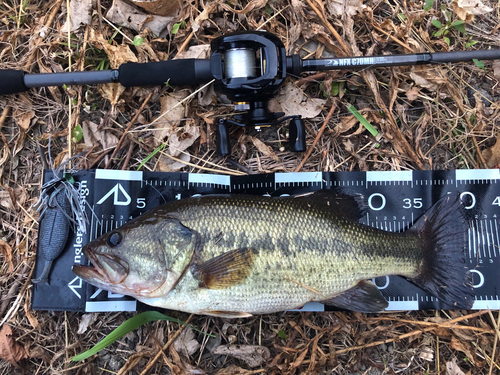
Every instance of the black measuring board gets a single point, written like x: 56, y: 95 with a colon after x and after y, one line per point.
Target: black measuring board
x: 395, y: 200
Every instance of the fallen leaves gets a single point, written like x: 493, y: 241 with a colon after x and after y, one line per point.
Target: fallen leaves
x: 6, y: 251
x: 252, y: 355
x: 492, y: 155
x: 453, y: 369
x: 159, y: 7
x: 128, y: 16
x: 467, y: 9
x: 10, y: 350
x: 80, y: 14
x: 293, y: 101
x: 117, y: 53
x: 261, y: 147
x: 341, y: 7
x: 186, y: 343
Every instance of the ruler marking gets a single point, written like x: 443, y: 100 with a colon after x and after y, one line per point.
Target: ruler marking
x: 473, y: 230
x: 488, y: 238
x: 478, y: 241
x: 470, y: 244
x: 498, y: 241
x: 482, y: 237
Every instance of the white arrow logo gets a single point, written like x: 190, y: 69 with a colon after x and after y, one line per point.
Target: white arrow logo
x: 114, y: 191
x: 75, y: 284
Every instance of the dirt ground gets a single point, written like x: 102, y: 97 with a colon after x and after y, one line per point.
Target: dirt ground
x: 428, y: 117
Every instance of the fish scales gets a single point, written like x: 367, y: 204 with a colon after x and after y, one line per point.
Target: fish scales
x: 304, y: 252
x: 239, y: 255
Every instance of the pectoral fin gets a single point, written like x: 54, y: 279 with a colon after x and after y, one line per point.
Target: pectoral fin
x: 364, y: 297
x: 226, y: 269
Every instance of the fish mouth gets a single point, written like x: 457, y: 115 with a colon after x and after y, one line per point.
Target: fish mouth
x: 103, y: 269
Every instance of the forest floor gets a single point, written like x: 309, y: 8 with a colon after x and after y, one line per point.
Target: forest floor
x: 439, y: 117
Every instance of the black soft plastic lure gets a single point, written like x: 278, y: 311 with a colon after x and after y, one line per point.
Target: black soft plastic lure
x: 54, y: 230
x: 60, y: 210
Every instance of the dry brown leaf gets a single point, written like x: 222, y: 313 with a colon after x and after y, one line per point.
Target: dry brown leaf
x: 172, y: 112
x: 412, y: 94
x: 111, y: 92
x: 117, y: 54
x: 183, y: 138
x: 496, y: 69
x: 492, y: 155
x: 467, y: 349
x: 6, y: 251
x: 201, y: 51
x: 293, y: 101
x: 467, y: 9
x: 262, y: 147
x: 23, y: 116
x: 31, y: 318
x: 252, y: 5
x: 126, y: 15
x: 453, y: 369
x: 341, y: 7
x: 252, y: 355
x: 424, y: 80
x: 159, y: 7
x: 92, y: 135
x: 10, y: 350
x: 234, y: 370
x: 80, y: 14
x: 87, y: 320
x: 203, y: 16
x: 167, y: 164
x: 186, y: 343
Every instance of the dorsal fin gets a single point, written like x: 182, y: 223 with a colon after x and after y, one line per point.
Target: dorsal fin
x: 347, y: 203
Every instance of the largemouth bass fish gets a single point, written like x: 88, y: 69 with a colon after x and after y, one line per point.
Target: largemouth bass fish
x: 238, y: 255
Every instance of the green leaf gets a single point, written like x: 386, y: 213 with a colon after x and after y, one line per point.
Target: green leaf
x: 459, y: 25
x: 471, y: 43
x: 438, y: 33
x: 335, y: 88
x: 446, y: 39
x: 437, y: 24
x: 363, y: 120
x: 479, y: 63
x: 282, y: 334
x: 126, y: 327
x: 428, y: 4
x: 138, y: 40
x: 77, y: 134
x: 177, y: 26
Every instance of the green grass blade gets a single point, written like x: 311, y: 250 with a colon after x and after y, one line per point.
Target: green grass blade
x: 124, y: 328
x: 363, y: 120
x: 155, y: 151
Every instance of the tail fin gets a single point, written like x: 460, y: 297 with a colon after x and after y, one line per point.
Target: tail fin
x: 442, y: 232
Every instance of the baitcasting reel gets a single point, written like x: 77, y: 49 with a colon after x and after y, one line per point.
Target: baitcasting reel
x: 248, y: 67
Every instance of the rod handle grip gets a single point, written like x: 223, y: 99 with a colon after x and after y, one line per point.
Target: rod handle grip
x: 182, y: 72
x: 12, y: 82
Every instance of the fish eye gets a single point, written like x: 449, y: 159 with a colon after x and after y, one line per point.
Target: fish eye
x: 114, y: 239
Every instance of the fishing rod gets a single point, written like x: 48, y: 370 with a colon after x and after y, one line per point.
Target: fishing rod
x: 248, y: 67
